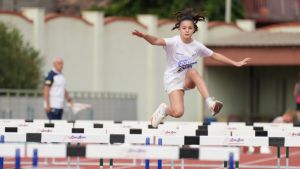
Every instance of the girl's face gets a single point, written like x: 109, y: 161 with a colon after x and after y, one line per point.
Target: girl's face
x: 186, y: 29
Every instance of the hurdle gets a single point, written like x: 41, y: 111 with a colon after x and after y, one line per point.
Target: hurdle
x: 172, y: 133
x: 95, y: 151
x: 159, y: 152
x: 236, y: 141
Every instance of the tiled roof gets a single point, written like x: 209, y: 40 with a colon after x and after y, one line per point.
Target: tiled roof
x: 257, y: 39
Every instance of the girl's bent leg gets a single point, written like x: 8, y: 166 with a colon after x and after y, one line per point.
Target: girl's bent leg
x: 176, y: 108
x: 193, y: 78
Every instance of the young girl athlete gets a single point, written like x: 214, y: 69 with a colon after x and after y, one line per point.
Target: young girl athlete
x: 182, y: 53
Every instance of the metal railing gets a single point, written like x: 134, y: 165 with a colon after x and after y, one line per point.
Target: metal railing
x: 28, y: 104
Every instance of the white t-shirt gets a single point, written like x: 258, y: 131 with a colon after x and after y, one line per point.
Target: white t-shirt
x: 56, y: 81
x: 181, y: 56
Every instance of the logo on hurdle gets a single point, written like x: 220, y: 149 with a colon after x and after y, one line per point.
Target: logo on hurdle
x: 46, y: 131
x: 294, y: 134
x: 168, y: 132
x: 75, y: 137
x: 134, y: 152
x: 127, y: 126
x: 234, y: 141
x: 23, y: 125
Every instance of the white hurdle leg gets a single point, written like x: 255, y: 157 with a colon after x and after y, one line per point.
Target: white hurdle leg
x: 182, y: 163
x: 172, y: 164
x: 78, y: 163
x: 134, y: 162
x: 69, y: 163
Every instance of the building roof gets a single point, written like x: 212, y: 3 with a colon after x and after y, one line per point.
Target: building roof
x: 214, y: 24
x: 257, y: 39
x: 281, y: 26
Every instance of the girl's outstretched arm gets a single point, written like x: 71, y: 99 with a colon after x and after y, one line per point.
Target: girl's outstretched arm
x: 221, y: 58
x: 151, y: 39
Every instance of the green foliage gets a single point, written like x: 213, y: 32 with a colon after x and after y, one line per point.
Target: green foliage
x: 161, y: 8
x: 20, y: 64
x: 213, y: 9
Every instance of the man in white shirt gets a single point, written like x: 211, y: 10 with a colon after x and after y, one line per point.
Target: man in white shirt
x: 55, y: 92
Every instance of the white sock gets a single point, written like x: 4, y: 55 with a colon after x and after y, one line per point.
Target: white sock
x: 209, y: 101
x: 165, y: 109
x: 166, y: 113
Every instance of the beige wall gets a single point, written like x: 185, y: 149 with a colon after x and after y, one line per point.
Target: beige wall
x: 125, y: 62
x: 222, y: 32
x: 24, y: 26
x: 71, y: 39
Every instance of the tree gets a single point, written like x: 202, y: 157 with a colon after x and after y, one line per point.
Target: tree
x: 164, y: 9
x: 20, y: 64
x: 213, y: 9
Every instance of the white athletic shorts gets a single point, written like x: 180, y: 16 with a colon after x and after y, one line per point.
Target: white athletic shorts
x: 176, y: 83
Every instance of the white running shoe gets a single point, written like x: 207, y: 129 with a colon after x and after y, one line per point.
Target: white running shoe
x: 215, y: 106
x: 159, y: 115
